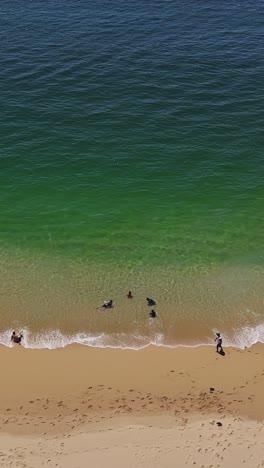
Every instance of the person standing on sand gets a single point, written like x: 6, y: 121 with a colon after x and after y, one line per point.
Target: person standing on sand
x: 219, y: 347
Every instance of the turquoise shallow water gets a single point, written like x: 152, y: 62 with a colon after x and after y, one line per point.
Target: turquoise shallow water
x: 131, y: 157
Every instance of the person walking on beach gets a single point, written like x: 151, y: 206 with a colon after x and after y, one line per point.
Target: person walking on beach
x: 16, y: 338
x: 219, y: 347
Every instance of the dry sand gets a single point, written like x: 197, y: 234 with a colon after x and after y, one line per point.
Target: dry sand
x: 88, y: 407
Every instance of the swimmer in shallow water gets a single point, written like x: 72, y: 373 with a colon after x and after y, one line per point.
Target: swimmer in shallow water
x: 129, y: 295
x: 150, y: 301
x: 108, y: 304
x: 153, y: 314
x: 16, y: 338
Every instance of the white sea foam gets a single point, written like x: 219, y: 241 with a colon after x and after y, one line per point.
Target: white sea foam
x: 245, y: 337
x: 239, y: 338
x: 55, y: 339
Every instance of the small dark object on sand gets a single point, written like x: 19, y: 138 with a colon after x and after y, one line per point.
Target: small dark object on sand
x: 212, y: 389
x: 219, y: 424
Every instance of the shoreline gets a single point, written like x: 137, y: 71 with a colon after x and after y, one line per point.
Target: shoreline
x: 246, y: 337
x: 46, y: 295
x: 82, y: 400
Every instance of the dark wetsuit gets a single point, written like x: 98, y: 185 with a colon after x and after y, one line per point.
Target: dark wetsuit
x: 153, y: 314
x: 150, y: 302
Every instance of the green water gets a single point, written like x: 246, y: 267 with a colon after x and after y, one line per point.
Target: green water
x: 180, y: 211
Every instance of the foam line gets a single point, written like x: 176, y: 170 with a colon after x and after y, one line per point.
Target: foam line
x: 241, y: 338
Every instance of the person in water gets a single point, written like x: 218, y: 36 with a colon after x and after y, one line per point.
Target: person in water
x: 153, y: 314
x: 108, y: 304
x: 219, y: 347
x: 129, y: 295
x: 150, y: 301
x: 16, y: 338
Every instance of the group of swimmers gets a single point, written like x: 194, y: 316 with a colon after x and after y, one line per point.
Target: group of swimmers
x: 17, y: 338
x: 150, y: 302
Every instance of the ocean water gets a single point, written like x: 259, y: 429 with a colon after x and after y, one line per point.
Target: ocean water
x: 131, y: 158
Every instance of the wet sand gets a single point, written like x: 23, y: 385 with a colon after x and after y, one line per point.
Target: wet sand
x: 79, y: 406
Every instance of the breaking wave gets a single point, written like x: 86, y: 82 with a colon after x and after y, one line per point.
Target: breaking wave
x: 241, y: 338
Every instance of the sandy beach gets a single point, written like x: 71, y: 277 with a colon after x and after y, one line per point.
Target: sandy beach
x: 158, y: 407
